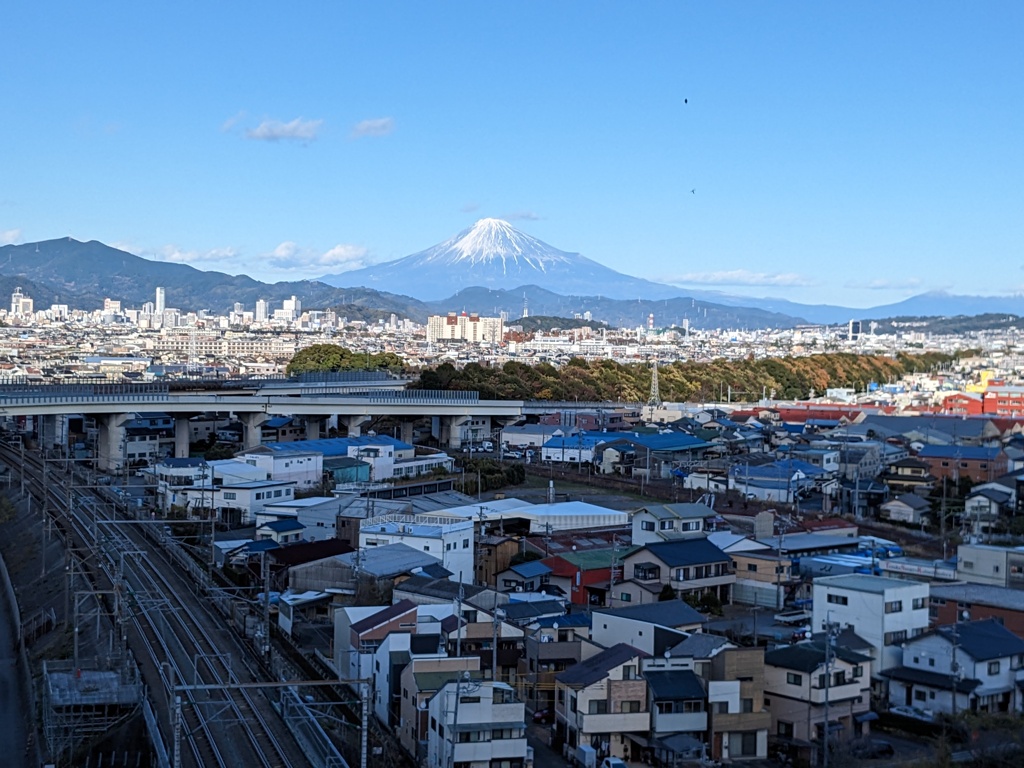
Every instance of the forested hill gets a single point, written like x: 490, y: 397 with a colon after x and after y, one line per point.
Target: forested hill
x: 789, y: 377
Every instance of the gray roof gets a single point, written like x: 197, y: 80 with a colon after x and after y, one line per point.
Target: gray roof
x: 674, y: 685
x: 699, y: 646
x: 389, y: 560
x: 864, y: 583
x: 981, y: 594
x: 687, y: 552
x: 930, y: 679
x: 808, y: 656
x: 438, y: 588
x: 983, y: 640
x: 670, y: 613
x: 531, y: 609
x: 684, y: 511
x: 912, y: 500
x: 597, y: 667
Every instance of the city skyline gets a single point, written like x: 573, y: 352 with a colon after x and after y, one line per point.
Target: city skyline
x: 855, y: 156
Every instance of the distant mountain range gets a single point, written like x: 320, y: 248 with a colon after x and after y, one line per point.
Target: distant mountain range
x: 488, y: 268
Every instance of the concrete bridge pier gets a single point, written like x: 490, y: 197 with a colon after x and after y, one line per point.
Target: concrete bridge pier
x: 446, y: 430
x: 110, y: 453
x: 405, y: 430
x: 315, y: 427
x: 354, y: 424
x: 182, y: 433
x: 251, y: 433
x: 47, y: 431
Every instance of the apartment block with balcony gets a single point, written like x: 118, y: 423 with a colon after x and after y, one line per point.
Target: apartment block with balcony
x: 421, y: 679
x: 601, y: 701
x: 476, y: 724
x: 551, y: 647
x: 795, y: 689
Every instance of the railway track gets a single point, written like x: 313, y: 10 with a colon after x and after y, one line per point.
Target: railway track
x: 181, y: 646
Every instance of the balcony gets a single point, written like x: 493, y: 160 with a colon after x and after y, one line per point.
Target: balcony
x: 676, y: 722
x: 617, y: 722
x: 742, y: 721
x: 485, y: 751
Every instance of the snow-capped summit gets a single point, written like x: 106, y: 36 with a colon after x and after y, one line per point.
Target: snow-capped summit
x: 495, y: 240
x: 494, y: 254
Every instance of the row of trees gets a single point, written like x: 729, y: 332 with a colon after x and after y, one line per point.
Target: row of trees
x: 743, y: 380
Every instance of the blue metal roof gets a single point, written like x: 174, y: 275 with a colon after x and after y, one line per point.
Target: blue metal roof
x: 530, y: 569
x: 674, y: 441
x: 283, y: 526
x: 337, y: 446
x: 965, y: 452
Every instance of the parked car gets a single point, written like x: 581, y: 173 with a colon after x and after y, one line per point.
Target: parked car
x: 613, y: 762
x: 513, y: 454
x: 543, y: 716
x: 913, y: 713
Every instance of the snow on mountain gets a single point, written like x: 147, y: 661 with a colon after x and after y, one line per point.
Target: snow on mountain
x: 494, y: 254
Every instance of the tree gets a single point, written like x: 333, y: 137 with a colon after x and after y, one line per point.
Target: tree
x: 667, y: 593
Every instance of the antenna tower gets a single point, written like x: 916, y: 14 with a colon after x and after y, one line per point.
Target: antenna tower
x: 654, y: 399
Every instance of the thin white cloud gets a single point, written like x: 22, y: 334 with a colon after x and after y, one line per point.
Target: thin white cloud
x: 343, y: 257
x: 234, y: 120
x: 298, y: 129
x: 886, y: 284
x: 378, y: 126
x: 10, y: 236
x: 471, y: 207
x: 173, y: 253
x: 742, y: 277
x: 522, y: 216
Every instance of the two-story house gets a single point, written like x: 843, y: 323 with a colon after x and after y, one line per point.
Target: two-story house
x: 476, y: 724
x: 552, y: 645
x: 661, y: 522
x: 688, y: 566
x: 601, y: 700
x: 795, y: 687
x: 982, y: 661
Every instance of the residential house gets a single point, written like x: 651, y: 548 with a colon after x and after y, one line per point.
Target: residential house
x: 589, y: 576
x: 739, y: 721
x: 601, y: 701
x: 689, y: 566
x: 281, y: 531
x: 552, y: 645
x: 652, y: 628
x: 907, y: 475
x: 885, y: 612
x: 661, y: 522
x: 648, y: 455
x: 763, y: 578
x: 529, y: 576
x: 980, y: 464
x: 795, y: 686
x: 975, y: 666
x: 476, y: 724
x: 419, y: 681
x: 908, y: 509
x: 448, y: 538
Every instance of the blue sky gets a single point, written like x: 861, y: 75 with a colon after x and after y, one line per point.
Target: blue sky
x: 853, y: 153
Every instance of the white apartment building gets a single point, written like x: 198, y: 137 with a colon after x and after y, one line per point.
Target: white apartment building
x: 304, y: 468
x: 476, y: 724
x: 463, y: 327
x: 884, y: 612
x: 318, y: 513
x: 448, y: 538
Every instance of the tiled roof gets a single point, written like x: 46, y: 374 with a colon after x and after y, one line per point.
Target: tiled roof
x: 384, y: 615
x: 670, y: 613
x: 688, y: 552
x: 675, y: 685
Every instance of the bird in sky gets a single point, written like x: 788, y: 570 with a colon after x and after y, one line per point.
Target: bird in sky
x: 693, y: 191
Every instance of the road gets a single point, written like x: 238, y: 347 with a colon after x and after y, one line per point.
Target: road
x: 13, y: 698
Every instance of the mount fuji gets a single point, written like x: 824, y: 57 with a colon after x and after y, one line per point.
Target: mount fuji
x: 494, y: 254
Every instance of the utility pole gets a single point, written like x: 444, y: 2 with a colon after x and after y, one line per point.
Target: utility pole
x: 831, y: 631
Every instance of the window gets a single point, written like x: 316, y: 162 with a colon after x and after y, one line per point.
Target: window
x: 598, y: 707
x: 794, y: 679
x: 892, y: 638
x: 993, y: 667
x: 785, y: 729
x: 629, y: 672
x: 230, y: 495
x: 465, y: 543
x: 625, y: 597
x: 838, y: 599
x: 630, y: 706
x: 968, y: 564
x: 721, y: 708
x: 894, y: 606
x: 858, y: 672
x: 920, y: 696
x: 751, y: 566
x: 931, y: 662
x: 746, y: 705
x: 646, y: 525
x: 667, y: 525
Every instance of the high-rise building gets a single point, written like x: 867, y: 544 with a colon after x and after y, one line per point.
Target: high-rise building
x: 262, y: 311
x: 161, y: 301
x: 21, y: 304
